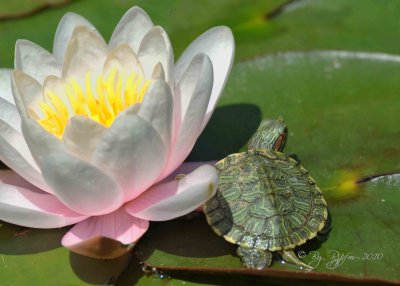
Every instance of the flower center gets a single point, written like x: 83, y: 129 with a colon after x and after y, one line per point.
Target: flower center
x: 101, y: 99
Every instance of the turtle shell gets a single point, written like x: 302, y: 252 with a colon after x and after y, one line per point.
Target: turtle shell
x: 265, y: 200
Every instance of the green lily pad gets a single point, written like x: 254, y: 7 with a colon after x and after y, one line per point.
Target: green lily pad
x: 322, y: 25
x: 28, y: 256
x: 15, y: 10
x: 183, y: 20
x: 303, y: 25
x: 36, y: 257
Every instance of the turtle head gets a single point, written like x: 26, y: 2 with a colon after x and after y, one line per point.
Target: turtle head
x: 271, y: 134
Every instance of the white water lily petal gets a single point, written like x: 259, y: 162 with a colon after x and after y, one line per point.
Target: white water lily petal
x: 188, y: 167
x: 195, y: 90
x: 175, y: 198
x: 131, y: 29
x: 35, y: 61
x: 124, y: 60
x: 86, y: 52
x: 65, y: 28
x: 5, y: 85
x: 156, y: 48
x: 131, y: 110
x: 196, y: 80
x: 26, y: 90
x: 15, y: 154
x: 133, y: 152
x: 158, y: 72
x: 10, y: 177
x: 218, y: 44
x: 39, y: 141
x: 81, y: 186
x: 10, y: 115
x: 118, y: 226
x: 157, y: 108
x: 16, y: 140
x: 28, y: 206
x: 82, y: 135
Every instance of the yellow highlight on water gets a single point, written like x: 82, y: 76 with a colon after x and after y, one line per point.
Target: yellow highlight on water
x: 101, y: 100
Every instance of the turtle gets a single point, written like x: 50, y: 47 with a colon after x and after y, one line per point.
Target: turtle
x: 266, y: 201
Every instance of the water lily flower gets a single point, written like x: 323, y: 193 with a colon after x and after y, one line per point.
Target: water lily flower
x: 94, y: 133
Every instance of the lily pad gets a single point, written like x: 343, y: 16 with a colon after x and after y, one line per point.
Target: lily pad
x: 36, y: 257
x: 301, y: 25
x: 16, y: 10
x: 317, y: 24
x: 23, y: 256
x: 183, y: 20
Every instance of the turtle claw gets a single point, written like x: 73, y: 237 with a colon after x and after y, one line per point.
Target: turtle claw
x: 295, y: 157
x: 179, y: 177
x: 290, y: 257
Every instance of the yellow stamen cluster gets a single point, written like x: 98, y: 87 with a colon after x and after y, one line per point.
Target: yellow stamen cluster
x: 101, y: 100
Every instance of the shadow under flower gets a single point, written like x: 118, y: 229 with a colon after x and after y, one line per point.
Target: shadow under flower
x: 186, y: 237
x: 3, y: 166
x: 99, y: 271
x: 18, y: 240
x: 227, y: 132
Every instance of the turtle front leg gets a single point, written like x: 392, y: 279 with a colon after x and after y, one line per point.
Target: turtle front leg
x: 254, y: 258
x: 289, y: 256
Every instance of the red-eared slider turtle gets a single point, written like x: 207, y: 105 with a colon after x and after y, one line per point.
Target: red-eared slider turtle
x: 266, y: 201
